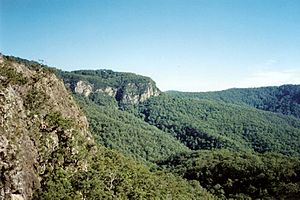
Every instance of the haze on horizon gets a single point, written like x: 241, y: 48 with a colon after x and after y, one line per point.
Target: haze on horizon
x: 193, y: 45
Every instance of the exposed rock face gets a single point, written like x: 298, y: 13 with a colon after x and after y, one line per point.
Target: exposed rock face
x: 37, y: 118
x: 130, y: 93
x: 108, y: 90
x: 134, y: 93
x: 83, y: 88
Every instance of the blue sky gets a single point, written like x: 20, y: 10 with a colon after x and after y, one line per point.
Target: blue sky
x: 187, y: 45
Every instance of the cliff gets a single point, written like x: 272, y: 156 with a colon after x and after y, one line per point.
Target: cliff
x: 39, y: 120
x: 126, y: 88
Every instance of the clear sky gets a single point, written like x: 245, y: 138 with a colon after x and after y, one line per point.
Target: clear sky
x: 188, y: 45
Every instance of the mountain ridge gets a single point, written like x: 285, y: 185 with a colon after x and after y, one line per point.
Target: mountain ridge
x: 283, y: 99
x: 99, y: 145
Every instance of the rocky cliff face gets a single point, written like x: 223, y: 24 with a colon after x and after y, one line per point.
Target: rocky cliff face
x: 126, y: 89
x: 83, y: 88
x: 39, y: 125
x: 130, y: 93
x: 134, y: 93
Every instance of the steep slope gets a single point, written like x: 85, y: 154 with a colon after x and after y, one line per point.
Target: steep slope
x: 284, y: 99
x: 203, y: 124
x: 47, y: 151
x: 97, y: 93
x: 126, y: 88
x: 39, y: 123
x: 126, y: 133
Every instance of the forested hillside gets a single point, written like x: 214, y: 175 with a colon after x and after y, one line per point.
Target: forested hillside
x: 114, y: 135
x: 47, y: 151
x: 284, y: 99
x: 113, y: 127
x: 126, y: 133
x: 198, y: 124
x: 204, y: 124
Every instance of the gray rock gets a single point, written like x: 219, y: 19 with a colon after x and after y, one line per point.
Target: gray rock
x: 26, y: 140
x: 83, y: 88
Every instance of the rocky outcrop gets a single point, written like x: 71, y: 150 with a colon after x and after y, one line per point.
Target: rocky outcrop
x: 108, y: 90
x: 38, y: 118
x: 134, y: 93
x: 83, y: 88
x: 128, y: 93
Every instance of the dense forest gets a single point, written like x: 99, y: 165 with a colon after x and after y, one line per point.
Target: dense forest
x: 126, y: 133
x: 204, y: 124
x: 103, y: 78
x: 284, y: 99
x: 236, y: 175
x: 112, y: 176
x: 140, y: 143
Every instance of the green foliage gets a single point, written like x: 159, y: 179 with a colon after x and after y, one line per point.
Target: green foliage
x: 34, y: 99
x: 33, y: 65
x: 10, y: 76
x: 59, y: 186
x: 103, y: 100
x: 55, y: 120
x: 123, y: 131
x: 284, y: 99
x: 240, y: 175
x: 112, y: 176
x: 69, y: 165
x: 76, y: 168
x: 203, y: 124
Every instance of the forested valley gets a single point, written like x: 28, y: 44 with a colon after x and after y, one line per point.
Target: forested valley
x: 100, y: 134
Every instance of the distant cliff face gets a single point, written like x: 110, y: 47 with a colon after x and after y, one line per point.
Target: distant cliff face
x: 38, y: 122
x: 134, y: 93
x: 126, y: 88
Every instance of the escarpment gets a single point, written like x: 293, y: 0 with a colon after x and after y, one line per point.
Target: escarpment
x: 126, y: 88
x: 41, y: 128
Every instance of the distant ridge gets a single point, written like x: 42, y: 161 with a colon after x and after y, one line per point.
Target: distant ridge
x: 283, y: 99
